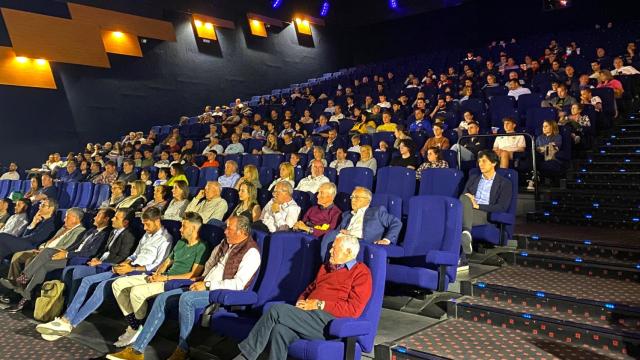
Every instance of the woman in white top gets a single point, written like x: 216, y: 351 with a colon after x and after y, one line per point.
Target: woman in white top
x: 366, y: 159
x: 286, y: 174
x: 271, y: 145
x: 176, y: 207
x: 136, y: 200
x: 505, y: 146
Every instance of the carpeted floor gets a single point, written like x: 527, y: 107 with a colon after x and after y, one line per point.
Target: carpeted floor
x: 19, y: 340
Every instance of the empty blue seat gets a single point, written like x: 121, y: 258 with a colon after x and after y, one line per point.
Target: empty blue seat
x: 83, y: 195
x: 230, y: 195
x: 266, y: 176
x: 251, y: 159
x: 451, y: 157
x: 100, y: 193
x: 396, y: 180
x: 192, y: 173
x: 303, y: 199
x: 355, y: 176
x: 428, y: 255
x: 385, y: 136
x: 528, y: 101
x: 392, y: 203
x: 66, y: 195
x: 444, y: 182
x: 353, y: 156
x: 4, y: 188
x: 207, y: 174
x: 272, y: 161
x: 382, y: 158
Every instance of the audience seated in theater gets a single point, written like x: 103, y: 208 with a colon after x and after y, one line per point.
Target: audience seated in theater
x: 373, y: 225
x: 251, y: 175
x: 470, y: 146
x: 318, y: 154
x: 12, y: 173
x: 177, y: 174
x: 437, y: 140
x: 248, y: 205
x: 208, y: 204
x: 308, y: 146
x: 337, y: 114
x: 621, y: 69
x: 364, y: 124
x: 281, y: 212
x: 16, y: 223
x: 434, y: 161
x: 322, y: 217
x: 322, y: 129
x: 220, y: 272
x: 48, y: 189
x: 270, y: 146
x: 235, y: 147
x: 159, y: 200
x: 152, y: 249
x: 163, y: 176
x: 606, y: 80
x: 515, y: 89
x: 576, y: 122
x: 630, y: 55
x: 176, y: 208
x: 211, y: 160
x: 312, y: 182
x: 164, y: 161
x: 213, y: 145
x: 420, y: 123
x: 586, y: 98
x: 40, y: 229
x: 333, y: 142
x: 406, y: 158
x: 136, y: 200
x: 287, y: 174
x: 51, y: 258
x: 109, y: 175
x: 132, y: 292
x: 366, y: 159
x: 116, y: 196
x: 288, y: 146
x: 482, y: 194
x: 4, y: 212
x: 342, y: 288
x: 387, y: 124
x: 505, y: 145
x: 341, y: 161
x: 563, y: 99
x: 595, y: 68
x: 549, y: 142
x: 306, y: 117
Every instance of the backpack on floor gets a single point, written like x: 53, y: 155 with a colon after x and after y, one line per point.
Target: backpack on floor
x: 50, y: 303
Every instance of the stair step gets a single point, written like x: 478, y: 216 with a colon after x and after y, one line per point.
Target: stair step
x: 585, y: 219
x: 600, y: 185
x: 619, y: 250
x: 595, y: 209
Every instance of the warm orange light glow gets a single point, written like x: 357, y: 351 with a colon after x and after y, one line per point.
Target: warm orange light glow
x: 298, y: 20
x: 208, y: 25
x: 305, y: 22
x: 198, y: 23
x: 21, y: 59
x: 22, y: 71
x: 303, y: 26
x: 255, y: 22
x: 118, y: 34
x: 41, y: 62
x: 124, y: 44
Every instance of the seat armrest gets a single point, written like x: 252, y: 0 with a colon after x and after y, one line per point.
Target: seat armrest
x: 502, y: 217
x: 442, y: 258
x: 233, y: 297
x: 349, y: 327
x: 393, y: 251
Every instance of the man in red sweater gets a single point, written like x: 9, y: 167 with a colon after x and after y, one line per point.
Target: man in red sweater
x: 342, y: 288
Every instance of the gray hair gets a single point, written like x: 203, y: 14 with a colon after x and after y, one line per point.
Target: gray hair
x: 242, y: 224
x: 331, y: 187
x: 77, y: 212
x: 366, y: 191
x: 216, y: 184
x: 351, y: 243
x: 286, y: 186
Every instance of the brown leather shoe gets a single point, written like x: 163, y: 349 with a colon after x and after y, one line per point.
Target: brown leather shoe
x: 179, y: 354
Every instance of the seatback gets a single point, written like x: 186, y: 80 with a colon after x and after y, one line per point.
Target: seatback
x: 4, y: 188
x: 100, y: 193
x: 272, y: 161
x: 434, y: 223
x: 83, y: 195
x: 451, y: 157
x: 528, y: 101
x: 392, y: 203
x: 173, y: 227
x: 535, y: 118
x: 230, y: 195
x: 251, y: 159
x: 207, y: 174
x: 376, y: 260
x: 303, y: 199
x: 292, y: 262
x: 212, y: 234
x: 608, y: 100
x: 266, y: 175
x: 396, y: 180
x: 382, y: 158
x: 444, y: 182
x: 66, y: 194
x: 385, y: 136
x: 356, y: 176
x: 192, y: 173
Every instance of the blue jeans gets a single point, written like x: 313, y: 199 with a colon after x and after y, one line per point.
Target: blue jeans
x: 189, y: 302
x: 72, y: 276
x: 79, y: 309
x: 162, y: 304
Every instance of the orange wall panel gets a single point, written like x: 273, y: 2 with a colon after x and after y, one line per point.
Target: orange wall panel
x: 205, y: 30
x: 303, y: 26
x: 24, y: 71
x: 117, y: 42
x: 257, y: 28
x: 55, y: 39
x: 117, y: 21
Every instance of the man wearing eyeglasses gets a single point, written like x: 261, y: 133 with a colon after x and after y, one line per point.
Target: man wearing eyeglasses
x: 281, y: 212
x: 371, y: 224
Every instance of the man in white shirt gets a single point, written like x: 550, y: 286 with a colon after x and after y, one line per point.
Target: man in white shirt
x: 152, y: 249
x: 231, y: 176
x: 337, y: 114
x: 281, y: 212
x: 620, y: 69
x: 12, y: 174
x: 312, y: 182
x: 235, y: 147
x: 17, y: 222
x: 383, y: 103
x: 516, y: 90
x: 208, y: 203
x: 341, y: 161
x: 505, y: 146
x: 213, y: 145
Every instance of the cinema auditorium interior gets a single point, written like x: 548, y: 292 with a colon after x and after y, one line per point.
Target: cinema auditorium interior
x: 319, y: 179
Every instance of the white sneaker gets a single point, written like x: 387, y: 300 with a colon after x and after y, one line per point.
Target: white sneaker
x: 467, y: 242
x: 128, y: 338
x: 530, y: 185
x: 58, y: 327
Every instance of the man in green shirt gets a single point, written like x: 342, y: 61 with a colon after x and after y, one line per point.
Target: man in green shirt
x: 186, y: 261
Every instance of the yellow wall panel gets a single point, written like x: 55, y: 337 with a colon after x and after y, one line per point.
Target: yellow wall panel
x: 258, y: 28
x: 303, y: 26
x: 23, y: 71
x: 205, y: 30
x: 117, y: 21
x: 55, y: 39
x: 117, y: 42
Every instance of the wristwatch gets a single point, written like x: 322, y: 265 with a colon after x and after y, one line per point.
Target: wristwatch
x: 207, y: 284
x: 320, y: 304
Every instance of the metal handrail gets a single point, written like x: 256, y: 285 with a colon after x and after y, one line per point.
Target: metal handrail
x: 533, y: 153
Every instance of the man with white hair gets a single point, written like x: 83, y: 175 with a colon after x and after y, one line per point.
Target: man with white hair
x: 342, y: 288
x: 322, y: 217
x: 312, y: 182
x: 208, y: 203
x: 281, y: 212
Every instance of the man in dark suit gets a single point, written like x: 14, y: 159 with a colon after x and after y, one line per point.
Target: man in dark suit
x: 373, y: 225
x: 40, y: 229
x: 485, y: 193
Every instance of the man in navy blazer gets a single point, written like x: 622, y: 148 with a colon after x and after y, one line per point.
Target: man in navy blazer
x: 485, y: 193
x: 372, y: 225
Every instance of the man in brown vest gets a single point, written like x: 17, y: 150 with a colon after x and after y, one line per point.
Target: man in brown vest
x: 232, y: 265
